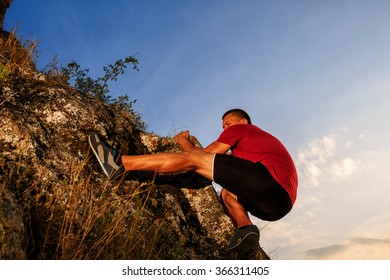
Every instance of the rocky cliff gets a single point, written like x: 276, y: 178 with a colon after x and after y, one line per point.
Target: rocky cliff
x: 4, y: 5
x: 55, y: 203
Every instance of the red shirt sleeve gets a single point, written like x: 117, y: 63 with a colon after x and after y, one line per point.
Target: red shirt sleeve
x: 231, y: 135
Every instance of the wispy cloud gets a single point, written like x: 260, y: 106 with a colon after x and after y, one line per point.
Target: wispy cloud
x: 325, y: 158
x: 358, y: 248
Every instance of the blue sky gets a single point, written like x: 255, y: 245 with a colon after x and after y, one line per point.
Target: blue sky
x: 313, y: 73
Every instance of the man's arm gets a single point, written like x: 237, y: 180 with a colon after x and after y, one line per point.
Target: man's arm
x: 216, y: 147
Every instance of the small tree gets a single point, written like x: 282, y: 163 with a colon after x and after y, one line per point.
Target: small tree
x: 99, y: 86
x: 79, y: 78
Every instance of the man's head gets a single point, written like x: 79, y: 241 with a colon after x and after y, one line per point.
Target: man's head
x: 235, y: 116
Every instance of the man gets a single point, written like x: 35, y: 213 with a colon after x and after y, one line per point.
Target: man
x: 259, y: 176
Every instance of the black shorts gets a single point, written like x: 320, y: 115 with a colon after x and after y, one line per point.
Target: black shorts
x: 253, y: 185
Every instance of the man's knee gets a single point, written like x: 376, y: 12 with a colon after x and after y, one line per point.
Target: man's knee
x: 202, y: 162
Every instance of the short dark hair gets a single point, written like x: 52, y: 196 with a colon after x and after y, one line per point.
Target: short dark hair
x: 240, y: 113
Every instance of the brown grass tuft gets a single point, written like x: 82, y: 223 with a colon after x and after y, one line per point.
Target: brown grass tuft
x: 16, y: 57
x: 90, y: 220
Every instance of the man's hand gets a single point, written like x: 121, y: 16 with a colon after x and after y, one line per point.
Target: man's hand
x: 184, y: 135
x: 183, y: 139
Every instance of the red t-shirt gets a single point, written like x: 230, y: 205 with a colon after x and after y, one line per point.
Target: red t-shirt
x: 252, y: 143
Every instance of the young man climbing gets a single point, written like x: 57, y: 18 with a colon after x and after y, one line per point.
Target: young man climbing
x: 258, y: 177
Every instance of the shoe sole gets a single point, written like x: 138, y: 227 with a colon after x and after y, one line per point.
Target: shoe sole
x: 94, y: 146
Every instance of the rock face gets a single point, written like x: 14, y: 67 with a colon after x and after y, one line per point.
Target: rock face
x: 55, y: 203
x: 12, y: 230
x: 4, y: 5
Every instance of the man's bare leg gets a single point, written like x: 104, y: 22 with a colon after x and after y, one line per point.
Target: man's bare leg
x: 199, y: 161
x: 247, y: 235
x: 235, y: 210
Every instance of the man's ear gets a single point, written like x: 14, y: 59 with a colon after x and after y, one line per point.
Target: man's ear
x: 244, y: 121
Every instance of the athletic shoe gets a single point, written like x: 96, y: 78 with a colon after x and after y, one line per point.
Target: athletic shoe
x: 105, y: 156
x: 244, y: 239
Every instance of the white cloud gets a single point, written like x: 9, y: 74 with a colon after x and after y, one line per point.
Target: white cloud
x: 344, y: 168
x: 323, y: 159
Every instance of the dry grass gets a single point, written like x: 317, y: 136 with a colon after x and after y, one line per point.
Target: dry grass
x: 82, y: 217
x: 16, y: 57
x: 88, y: 220
x: 16, y: 60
